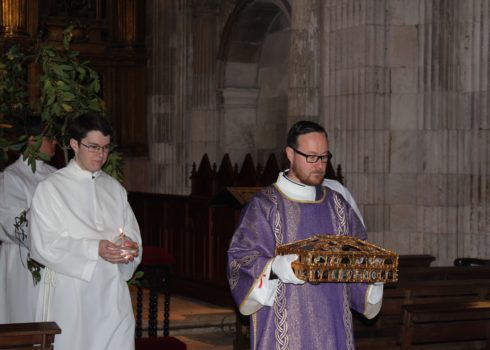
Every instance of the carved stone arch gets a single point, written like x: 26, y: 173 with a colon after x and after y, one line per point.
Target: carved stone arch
x: 253, y: 77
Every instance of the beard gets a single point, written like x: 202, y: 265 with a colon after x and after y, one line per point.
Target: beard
x: 311, y: 178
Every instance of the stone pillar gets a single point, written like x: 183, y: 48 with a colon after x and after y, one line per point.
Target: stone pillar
x: 355, y: 101
x: 168, y: 96
x: 404, y: 50
x: 304, y: 61
x: 405, y: 99
x: 204, y: 118
x: 452, y: 151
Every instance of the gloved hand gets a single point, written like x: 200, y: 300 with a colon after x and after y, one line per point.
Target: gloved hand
x: 375, y: 293
x: 281, y: 266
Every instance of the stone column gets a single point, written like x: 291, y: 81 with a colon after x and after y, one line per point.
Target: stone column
x: 355, y: 101
x: 168, y: 96
x: 405, y: 98
x: 453, y: 130
x: 304, y: 61
x: 204, y: 118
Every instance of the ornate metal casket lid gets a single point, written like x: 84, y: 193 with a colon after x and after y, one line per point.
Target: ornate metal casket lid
x: 332, y: 258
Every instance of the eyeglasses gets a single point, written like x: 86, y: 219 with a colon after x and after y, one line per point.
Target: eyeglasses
x: 313, y: 158
x: 97, y: 148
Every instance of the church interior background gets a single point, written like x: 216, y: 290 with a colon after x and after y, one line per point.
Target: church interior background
x: 402, y: 87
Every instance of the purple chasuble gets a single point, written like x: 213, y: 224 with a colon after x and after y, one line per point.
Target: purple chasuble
x: 303, y: 316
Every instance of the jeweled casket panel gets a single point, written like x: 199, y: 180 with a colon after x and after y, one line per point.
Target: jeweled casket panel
x: 332, y: 258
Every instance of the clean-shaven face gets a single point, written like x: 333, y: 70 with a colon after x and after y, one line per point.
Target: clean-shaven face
x: 91, y: 161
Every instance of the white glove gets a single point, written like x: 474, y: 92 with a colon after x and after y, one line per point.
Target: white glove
x: 281, y: 266
x: 375, y: 293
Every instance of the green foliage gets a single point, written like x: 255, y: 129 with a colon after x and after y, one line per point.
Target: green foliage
x: 136, y: 279
x: 35, y: 268
x: 20, y: 225
x: 13, y: 85
x: 69, y: 87
x: 113, y: 165
x: 13, y: 96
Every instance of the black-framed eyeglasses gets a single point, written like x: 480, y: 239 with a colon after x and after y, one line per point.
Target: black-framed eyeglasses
x: 97, y: 148
x: 313, y: 158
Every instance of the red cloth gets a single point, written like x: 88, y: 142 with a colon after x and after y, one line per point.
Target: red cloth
x: 153, y: 255
x: 160, y: 343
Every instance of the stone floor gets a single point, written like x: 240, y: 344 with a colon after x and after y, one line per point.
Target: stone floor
x: 200, y: 325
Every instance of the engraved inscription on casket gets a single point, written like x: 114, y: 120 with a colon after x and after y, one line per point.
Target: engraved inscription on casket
x: 331, y: 258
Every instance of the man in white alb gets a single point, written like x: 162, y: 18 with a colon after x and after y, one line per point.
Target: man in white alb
x: 18, y: 291
x: 77, y: 214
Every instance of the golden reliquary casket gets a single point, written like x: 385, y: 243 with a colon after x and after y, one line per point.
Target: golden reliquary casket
x: 332, y: 258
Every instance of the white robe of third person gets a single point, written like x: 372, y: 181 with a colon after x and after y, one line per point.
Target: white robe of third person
x: 18, y: 292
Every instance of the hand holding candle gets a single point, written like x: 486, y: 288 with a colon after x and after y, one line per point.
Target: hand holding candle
x: 129, y: 248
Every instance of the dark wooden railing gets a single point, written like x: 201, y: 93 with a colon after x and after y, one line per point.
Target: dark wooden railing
x: 207, y: 180
x: 195, y: 229
x: 39, y: 335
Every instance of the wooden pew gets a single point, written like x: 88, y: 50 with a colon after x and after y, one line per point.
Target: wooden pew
x: 437, y: 323
x: 385, y: 328
x: 39, y: 335
x: 408, y: 275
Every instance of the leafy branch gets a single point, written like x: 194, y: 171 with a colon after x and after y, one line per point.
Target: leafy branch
x: 136, y: 278
x: 68, y: 88
x: 21, y: 223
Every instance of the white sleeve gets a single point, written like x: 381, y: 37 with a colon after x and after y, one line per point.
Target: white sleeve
x: 53, y: 246
x: 131, y: 229
x: 262, y: 293
x: 13, y: 202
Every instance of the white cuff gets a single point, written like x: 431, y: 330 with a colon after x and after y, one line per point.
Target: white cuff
x: 281, y: 265
x: 374, y: 300
x: 375, y: 293
x: 262, y: 294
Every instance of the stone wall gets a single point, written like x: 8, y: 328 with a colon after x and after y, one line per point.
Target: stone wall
x: 405, y: 97
x: 400, y: 85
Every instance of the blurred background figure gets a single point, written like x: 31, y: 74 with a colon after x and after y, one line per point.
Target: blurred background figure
x: 18, y: 181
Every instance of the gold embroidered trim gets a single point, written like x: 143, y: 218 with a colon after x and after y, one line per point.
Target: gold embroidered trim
x: 280, y: 314
x: 236, y: 266
x: 341, y: 212
x: 347, y: 318
x: 280, y: 318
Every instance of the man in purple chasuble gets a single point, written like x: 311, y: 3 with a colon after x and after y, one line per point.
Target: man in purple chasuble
x: 287, y: 313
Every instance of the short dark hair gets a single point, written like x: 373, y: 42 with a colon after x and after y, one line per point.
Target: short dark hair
x: 301, y: 128
x: 87, y: 122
